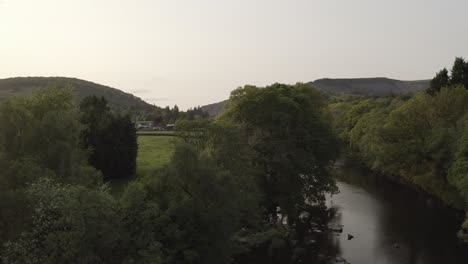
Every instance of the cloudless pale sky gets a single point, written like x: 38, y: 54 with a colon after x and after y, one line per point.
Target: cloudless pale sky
x: 194, y: 52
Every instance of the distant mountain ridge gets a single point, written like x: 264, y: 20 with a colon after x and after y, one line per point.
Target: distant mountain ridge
x: 117, y: 99
x: 379, y: 86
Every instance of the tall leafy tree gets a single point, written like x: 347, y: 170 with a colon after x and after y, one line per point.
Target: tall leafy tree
x: 289, y: 139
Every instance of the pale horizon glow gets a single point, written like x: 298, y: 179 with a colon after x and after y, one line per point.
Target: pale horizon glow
x: 195, y: 52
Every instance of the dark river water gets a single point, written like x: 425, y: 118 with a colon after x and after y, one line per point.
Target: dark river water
x: 391, y: 224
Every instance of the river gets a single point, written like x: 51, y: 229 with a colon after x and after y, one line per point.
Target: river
x: 391, y: 224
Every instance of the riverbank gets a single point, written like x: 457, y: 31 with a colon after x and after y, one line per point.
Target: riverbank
x: 391, y: 223
x: 372, y: 220
x: 355, y: 162
x: 431, y: 198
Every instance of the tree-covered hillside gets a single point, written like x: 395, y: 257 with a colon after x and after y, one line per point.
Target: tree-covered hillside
x: 117, y: 99
x: 369, y: 86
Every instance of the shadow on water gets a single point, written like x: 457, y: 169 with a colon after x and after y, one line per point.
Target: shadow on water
x: 391, y: 223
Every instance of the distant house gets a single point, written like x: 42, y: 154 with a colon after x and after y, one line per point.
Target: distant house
x: 144, y: 125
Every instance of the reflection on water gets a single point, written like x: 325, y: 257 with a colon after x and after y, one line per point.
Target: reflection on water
x: 391, y: 224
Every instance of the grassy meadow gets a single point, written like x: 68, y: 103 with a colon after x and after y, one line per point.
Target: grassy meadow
x: 153, y: 153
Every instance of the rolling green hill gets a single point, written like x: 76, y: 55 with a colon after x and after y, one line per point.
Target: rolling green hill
x: 117, y: 99
x: 355, y: 87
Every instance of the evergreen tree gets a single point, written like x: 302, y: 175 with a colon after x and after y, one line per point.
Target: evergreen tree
x: 440, y: 80
x: 465, y: 75
x: 175, y: 111
x: 458, y: 71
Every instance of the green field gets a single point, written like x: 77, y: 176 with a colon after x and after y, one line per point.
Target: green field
x: 153, y: 153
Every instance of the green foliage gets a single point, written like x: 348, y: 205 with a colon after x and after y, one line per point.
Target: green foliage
x: 289, y: 141
x: 458, y: 71
x: 39, y: 136
x: 458, y: 77
x: 42, y: 129
x: 463, y: 233
x: 111, y: 138
x: 71, y: 224
x: 194, y: 113
x: 56, y: 210
x: 195, y: 132
x: 414, y: 139
x: 188, y: 211
x: 458, y: 173
x: 338, y: 112
x: 226, y: 144
x: 167, y: 115
x: 423, y: 140
x: 145, y: 224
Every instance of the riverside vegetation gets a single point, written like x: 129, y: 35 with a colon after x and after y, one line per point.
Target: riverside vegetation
x: 218, y: 196
x: 420, y: 139
x: 251, y: 179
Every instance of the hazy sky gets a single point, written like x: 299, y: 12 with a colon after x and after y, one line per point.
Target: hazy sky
x: 195, y: 52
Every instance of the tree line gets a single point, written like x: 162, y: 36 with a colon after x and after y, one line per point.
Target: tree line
x: 168, y: 115
x: 223, y: 190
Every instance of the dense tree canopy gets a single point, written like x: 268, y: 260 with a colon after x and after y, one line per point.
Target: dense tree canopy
x: 167, y: 115
x: 271, y: 149
x: 71, y: 224
x: 289, y: 141
x: 54, y: 208
x: 216, y: 188
x: 39, y: 137
x: 110, y: 137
